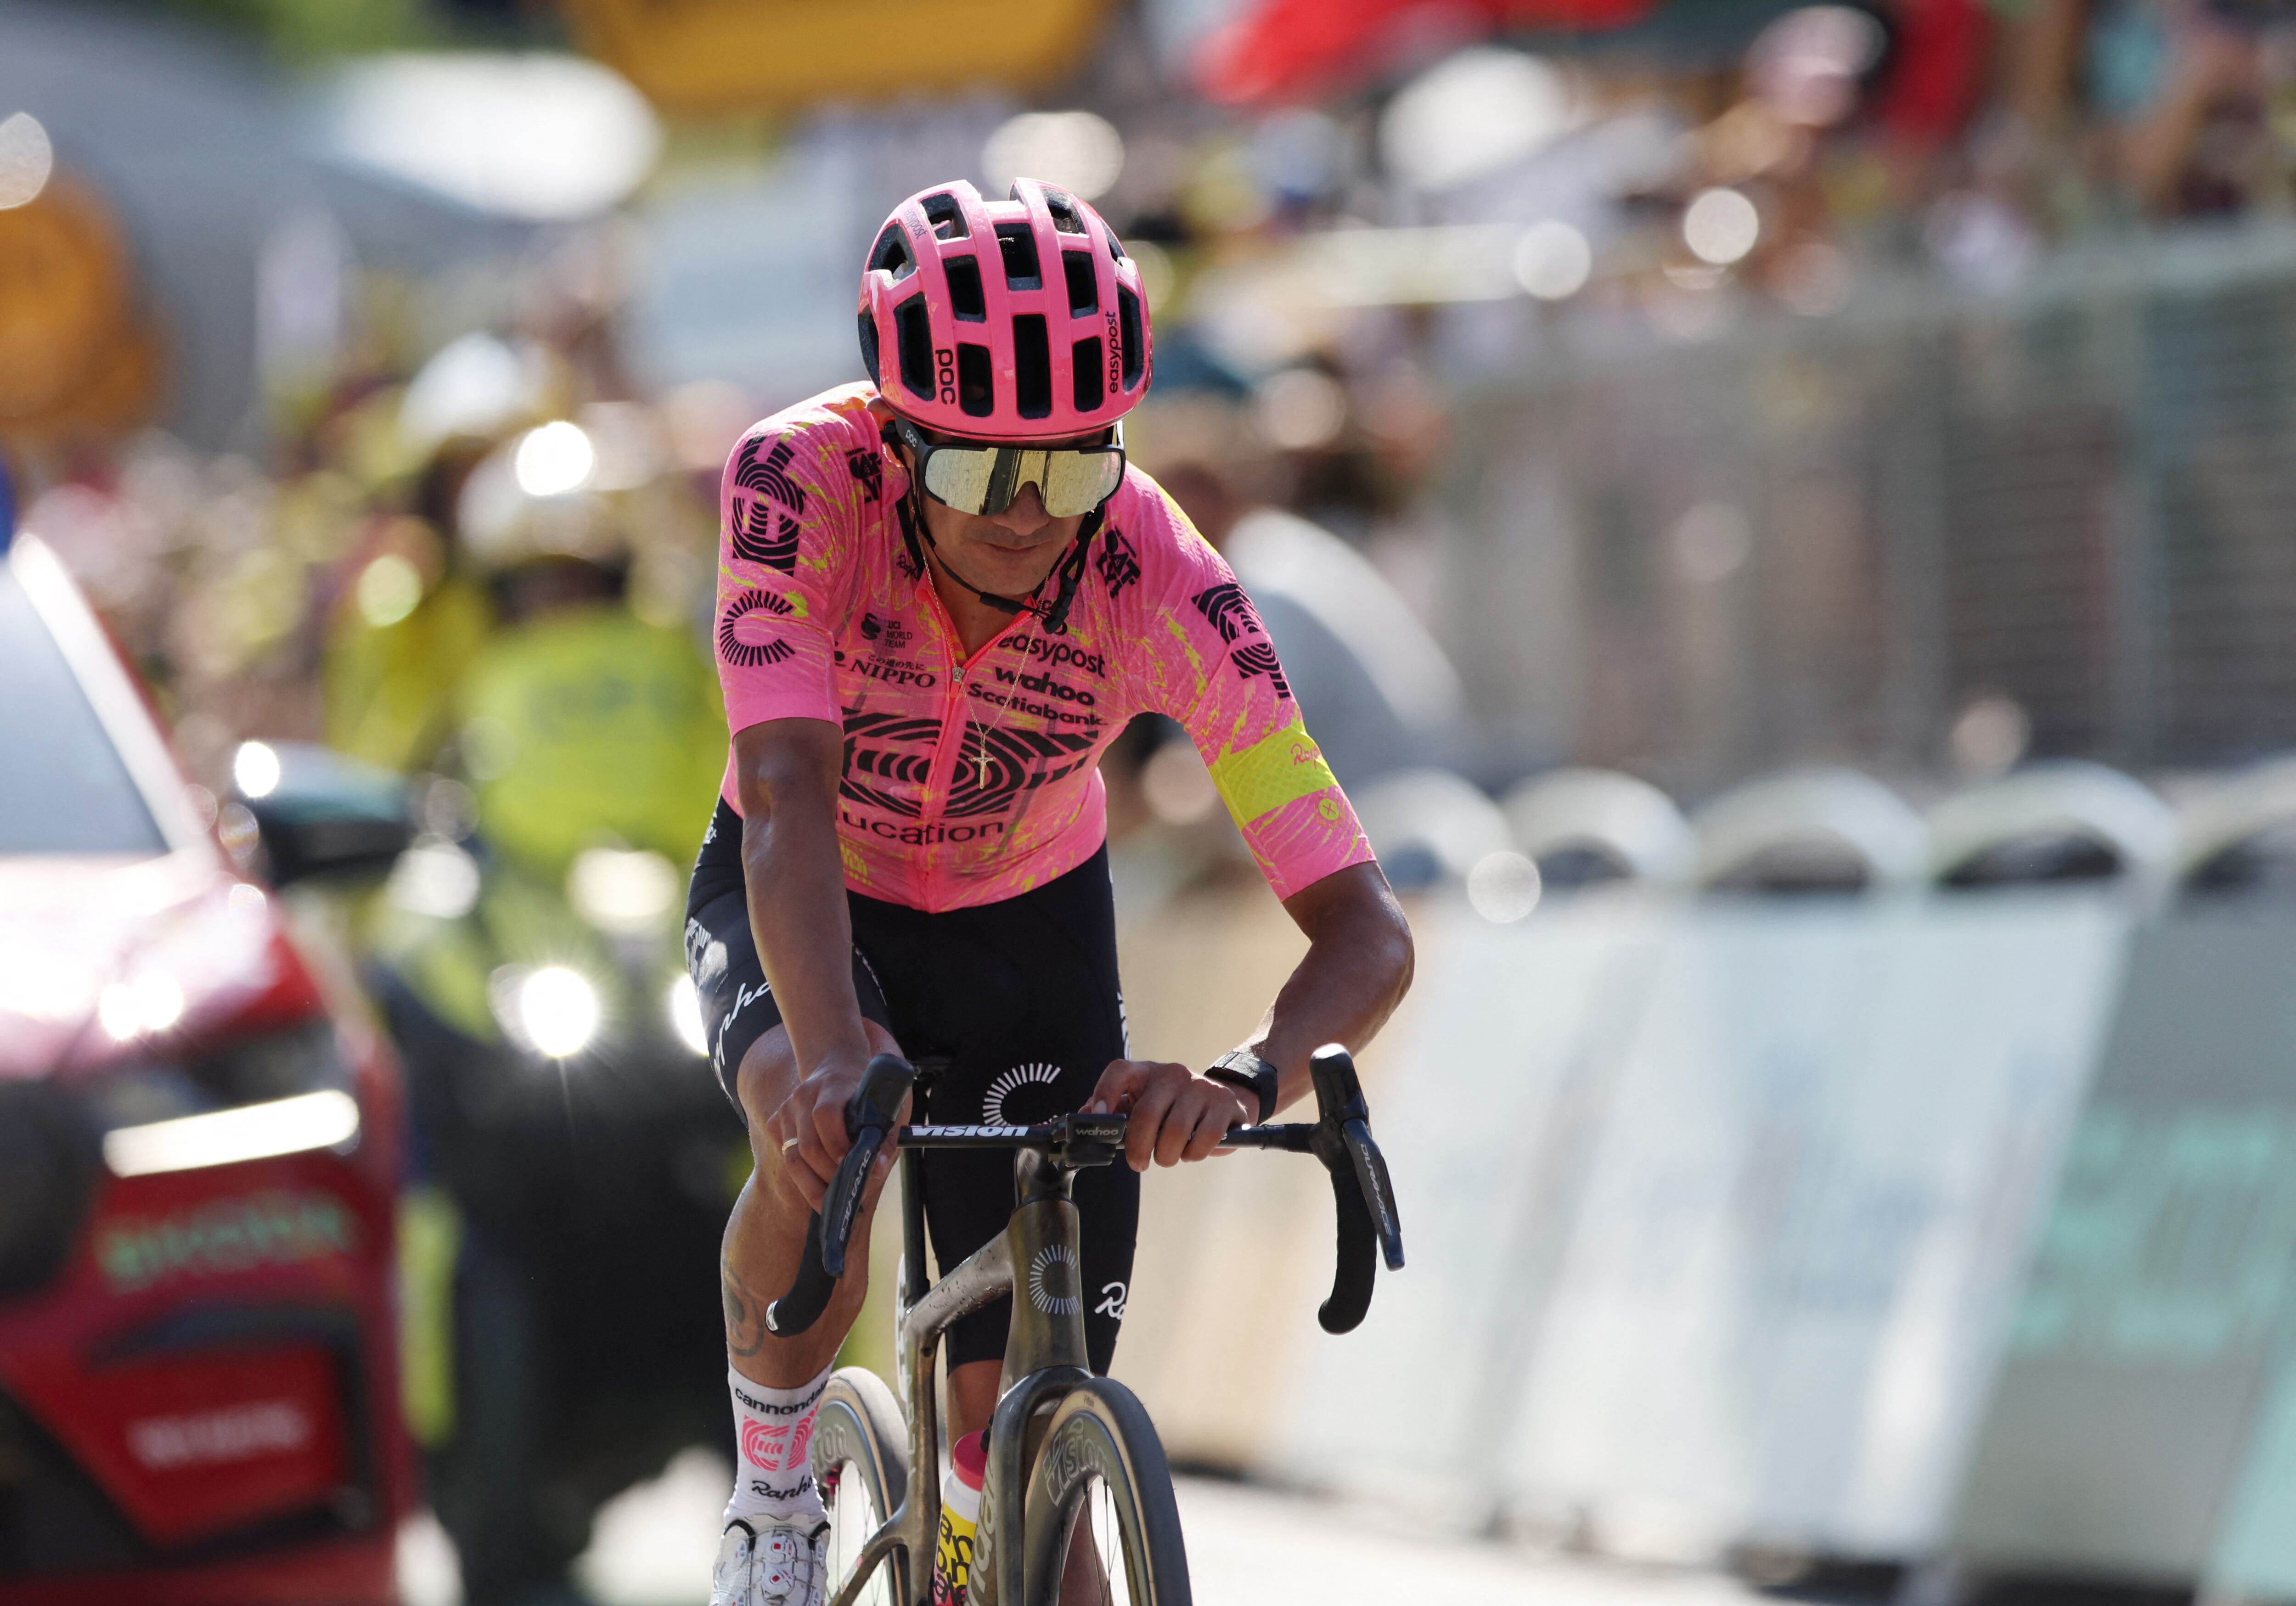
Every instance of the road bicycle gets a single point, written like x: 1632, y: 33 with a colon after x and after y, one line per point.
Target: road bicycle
x: 1064, y: 1446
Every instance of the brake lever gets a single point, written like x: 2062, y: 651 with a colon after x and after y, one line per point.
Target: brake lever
x: 1378, y: 1190
x: 1363, y: 1197
x: 870, y: 1115
x: 869, y: 1120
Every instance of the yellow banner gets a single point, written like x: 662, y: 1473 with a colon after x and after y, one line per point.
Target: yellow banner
x: 732, y: 55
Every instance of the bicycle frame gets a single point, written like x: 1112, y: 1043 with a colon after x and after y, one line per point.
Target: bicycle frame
x: 1045, y: 1358
x: 1044, y: 1353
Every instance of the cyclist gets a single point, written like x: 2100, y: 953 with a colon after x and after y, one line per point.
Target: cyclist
x: 941, y: 595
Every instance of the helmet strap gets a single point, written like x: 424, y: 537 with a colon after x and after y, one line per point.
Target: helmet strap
x: 1057, y: 617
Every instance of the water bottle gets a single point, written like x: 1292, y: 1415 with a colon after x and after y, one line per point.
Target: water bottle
x: 960, y: 1518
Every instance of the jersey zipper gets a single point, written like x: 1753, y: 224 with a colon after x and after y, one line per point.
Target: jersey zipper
x: 940, y: 777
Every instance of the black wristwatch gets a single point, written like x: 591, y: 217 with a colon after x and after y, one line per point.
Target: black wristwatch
x: 1243, y: 1068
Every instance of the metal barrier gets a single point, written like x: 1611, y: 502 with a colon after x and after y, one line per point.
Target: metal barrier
x: 2144, y: 1423
x: 1830, y: 536
x: 1589, y: 825
x: 1811, y: 830
x: 1955, y: 1221
x: 2054, y: 823
x: 1429, y: 825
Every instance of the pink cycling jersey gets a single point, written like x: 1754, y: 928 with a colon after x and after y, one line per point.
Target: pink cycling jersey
x: 970, y: 780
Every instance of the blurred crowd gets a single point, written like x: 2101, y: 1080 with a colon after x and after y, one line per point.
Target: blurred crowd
x: 1329, y: 279
x: 445, y: 498
x: 336, y: 588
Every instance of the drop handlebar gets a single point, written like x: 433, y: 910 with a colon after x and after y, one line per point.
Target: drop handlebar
x: 1339, y: 1137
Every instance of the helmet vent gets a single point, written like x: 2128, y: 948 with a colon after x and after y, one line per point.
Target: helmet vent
x: 1084, y: 289
x: 1032, y: 361
x: 891, y: 253
x: 1083, y: 359
x: 1021, y: 269
x: 1127, y: 319
x: 946, y: 217
x: 1002, y: 320
x: 975, y: 392
x: 964, y: 297
x: 914, y: 326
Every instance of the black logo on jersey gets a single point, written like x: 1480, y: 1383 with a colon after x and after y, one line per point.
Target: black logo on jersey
x: 1228, y: 611
x: 748, y: 655
x: 869, y: 469
x: 1117, y: 563
x: 897, y: 635
x: 886, y: 748
x: 769, y: 475
x: 1059, y: 654
x: 765, y: 537
x: 892, y: 671
x: 993, y: 767
x: 1258, y: 658
x: 1044, y: 683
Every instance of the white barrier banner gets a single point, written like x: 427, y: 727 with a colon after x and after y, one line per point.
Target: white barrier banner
x: 1480, y: 1117
x: 1787, y: 1277
x: 2142, y: 1425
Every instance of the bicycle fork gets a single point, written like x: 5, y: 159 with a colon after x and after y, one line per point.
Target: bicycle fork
x: 1036, y: 1260
x: 1045, y: 1358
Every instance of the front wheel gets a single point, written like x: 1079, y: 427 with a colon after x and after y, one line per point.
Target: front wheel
x: 861, y: 1461
x: 1100, y: 1481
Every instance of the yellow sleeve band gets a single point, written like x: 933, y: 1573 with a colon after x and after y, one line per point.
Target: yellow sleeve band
x: 1280, y: 766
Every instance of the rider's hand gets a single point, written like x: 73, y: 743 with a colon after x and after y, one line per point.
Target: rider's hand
x: 1176, y: 1114
x: 814, y: 1114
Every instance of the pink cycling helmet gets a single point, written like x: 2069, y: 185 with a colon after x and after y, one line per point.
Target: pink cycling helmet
x: 1019, y: 319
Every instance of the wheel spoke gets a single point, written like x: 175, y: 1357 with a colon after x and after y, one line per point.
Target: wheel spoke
x: 853, y: 1518
x: 1099, y: 1528
x: 1101, y: 1518
x: 858, y: 1461
x: 1111, y: 1545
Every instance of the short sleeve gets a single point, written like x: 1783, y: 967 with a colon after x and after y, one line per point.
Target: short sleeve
x: 1210, y: 666
x: 784, y: 523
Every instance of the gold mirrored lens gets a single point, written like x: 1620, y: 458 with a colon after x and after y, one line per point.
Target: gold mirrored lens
x: 985, y: 480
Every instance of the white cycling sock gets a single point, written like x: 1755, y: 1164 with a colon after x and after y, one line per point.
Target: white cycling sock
x: 774, y: 1430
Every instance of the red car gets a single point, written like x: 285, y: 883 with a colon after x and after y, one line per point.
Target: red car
x: 199, y: 1394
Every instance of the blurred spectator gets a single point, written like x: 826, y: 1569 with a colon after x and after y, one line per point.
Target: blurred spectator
x: 1377, y: 692
x: 586, y: 1193
x: 405, y: 626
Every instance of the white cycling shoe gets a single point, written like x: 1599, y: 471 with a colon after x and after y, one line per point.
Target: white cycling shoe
x: 763, y: 1562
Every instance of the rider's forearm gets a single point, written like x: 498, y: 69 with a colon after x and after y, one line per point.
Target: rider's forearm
x: 1357, y: 970
x: 798, y: 912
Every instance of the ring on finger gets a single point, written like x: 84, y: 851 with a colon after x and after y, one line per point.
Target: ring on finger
x: 788, y: 1144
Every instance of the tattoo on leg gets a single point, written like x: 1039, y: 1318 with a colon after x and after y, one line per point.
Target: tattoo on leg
x: 745, y: 1315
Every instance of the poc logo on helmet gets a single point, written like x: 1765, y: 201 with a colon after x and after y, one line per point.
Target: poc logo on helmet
x: 945, y: 359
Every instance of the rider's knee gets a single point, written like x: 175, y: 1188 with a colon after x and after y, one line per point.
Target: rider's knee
x: 769, y: 1074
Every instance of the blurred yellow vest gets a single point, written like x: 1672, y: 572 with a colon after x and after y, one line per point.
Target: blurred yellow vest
x: 390, y: 688
x: 589, y: 727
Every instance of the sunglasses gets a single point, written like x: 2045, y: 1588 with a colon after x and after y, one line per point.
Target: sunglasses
x: 980, y: 479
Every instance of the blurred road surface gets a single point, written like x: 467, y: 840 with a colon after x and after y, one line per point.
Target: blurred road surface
x: 1256, y: 1547
x: 1246, y: 1547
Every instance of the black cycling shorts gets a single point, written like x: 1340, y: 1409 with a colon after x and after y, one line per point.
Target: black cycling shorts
x: 1021, y: 998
